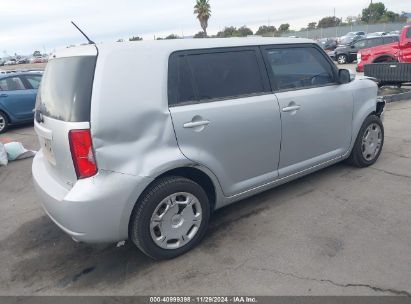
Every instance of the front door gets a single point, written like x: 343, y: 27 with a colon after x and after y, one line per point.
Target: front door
x: 316, y: 112
x: 225, y: 116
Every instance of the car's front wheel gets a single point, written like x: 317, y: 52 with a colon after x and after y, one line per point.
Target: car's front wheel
x: 170, y: 218
x: 369, y: 143
x: 342, y: 59
x: 4, y: 122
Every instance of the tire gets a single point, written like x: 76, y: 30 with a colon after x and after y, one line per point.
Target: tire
x: 157, y: 217
x: 360, y: 156
x: 4, y: 122
x: 342, y: 58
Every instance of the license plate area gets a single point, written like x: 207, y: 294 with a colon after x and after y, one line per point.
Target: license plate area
x: 48, y: 151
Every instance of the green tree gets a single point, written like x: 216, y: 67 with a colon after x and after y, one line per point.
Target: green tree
x: 266, y: 29
x: 229, y: 31
x: 136, y: 38
x: 311, y: 25
x: 199, y: 35
x: 203, y: 11
x: 284, y: 27
x: 172, y: 36
x: 373, y: 12
x: 36, y: 54
x: 244, y: 32
x: 328, y: 22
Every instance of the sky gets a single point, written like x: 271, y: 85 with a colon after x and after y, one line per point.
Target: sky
x: 27, y: 25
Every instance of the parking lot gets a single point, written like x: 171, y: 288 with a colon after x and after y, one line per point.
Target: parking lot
x: 340, y: 231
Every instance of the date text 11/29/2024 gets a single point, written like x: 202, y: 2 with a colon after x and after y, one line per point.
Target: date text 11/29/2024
x: 203, y: 299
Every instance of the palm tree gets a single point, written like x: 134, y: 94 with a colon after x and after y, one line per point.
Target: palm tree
x: 203, y: 11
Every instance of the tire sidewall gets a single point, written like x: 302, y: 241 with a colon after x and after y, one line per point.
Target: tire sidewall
x: 6, y: 121
x: 141, y: 223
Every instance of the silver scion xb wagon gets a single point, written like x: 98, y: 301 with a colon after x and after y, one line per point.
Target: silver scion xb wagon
x: 143, y: 141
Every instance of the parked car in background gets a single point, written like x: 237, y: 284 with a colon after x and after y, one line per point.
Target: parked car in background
x: 22, y: 60
x: 203, y: 124
x: 394, y: 33
x: 17, y: 97
x: 376, y: 34
x: 350, y: 37
x: 11, y: 62
x: 397, y: 51
x: 328, y: 44
x: 348, y: 53
x: 38, y: 60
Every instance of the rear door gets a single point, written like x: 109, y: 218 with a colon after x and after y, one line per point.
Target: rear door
x: 17, y: 98
x: 225, y: 116
x: 316, y: 111
x: 63, y: 104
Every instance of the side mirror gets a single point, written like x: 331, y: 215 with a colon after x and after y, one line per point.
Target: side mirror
x: 344, y: 76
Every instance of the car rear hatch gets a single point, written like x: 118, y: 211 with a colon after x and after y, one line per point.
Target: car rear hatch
x: 63, y: 107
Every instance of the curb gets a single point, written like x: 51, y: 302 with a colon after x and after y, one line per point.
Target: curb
x: 397, y: 97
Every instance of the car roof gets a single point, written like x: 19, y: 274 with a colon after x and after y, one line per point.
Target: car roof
x: 172, y: 45
x: 4, y: 74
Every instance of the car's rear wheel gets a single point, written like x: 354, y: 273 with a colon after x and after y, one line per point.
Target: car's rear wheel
x: 342, y: 59
x: 170, y: 218
x: 369, y: 143
x: 4, y: 122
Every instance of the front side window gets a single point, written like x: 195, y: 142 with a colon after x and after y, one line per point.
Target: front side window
x: 216, y: 75
x: 300, y: 67
x: 11, y: 84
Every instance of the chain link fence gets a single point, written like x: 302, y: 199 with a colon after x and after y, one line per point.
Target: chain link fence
x: 333, y: 32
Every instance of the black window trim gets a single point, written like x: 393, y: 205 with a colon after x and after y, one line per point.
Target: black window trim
x: 172, y: 70
x: 265, y: 48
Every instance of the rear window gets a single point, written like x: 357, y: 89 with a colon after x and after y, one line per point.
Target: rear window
x: 66, y: 87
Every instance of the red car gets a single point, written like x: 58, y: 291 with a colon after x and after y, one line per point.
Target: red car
x: 397, y: 51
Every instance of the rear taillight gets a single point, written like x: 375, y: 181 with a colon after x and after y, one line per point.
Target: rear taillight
x: 82, y: 153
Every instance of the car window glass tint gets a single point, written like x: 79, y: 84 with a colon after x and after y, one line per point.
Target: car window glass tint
x: 11, y: 84
x: 185, y: 89
x: 375, y: 42
x: 225, y: 74
x: 408, y: 33
x: 295, y: 68
x: 34, y: 81
x: 360, y: 44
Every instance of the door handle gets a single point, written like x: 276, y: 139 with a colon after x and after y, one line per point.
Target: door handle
x: 193, y: 124
x: 4, y: 95
x: 291, y: 108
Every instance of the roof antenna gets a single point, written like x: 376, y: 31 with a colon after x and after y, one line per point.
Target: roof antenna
x: 88, y: 39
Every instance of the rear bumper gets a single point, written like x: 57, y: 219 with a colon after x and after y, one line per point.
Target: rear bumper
x: 95, y: 209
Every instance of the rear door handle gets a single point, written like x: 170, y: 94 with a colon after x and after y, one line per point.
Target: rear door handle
x: 193, y: 124
x: 291, y: 108
x: 4, y: 95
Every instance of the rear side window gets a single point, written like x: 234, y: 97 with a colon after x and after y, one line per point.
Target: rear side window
x: 360, y: 44
x: 390, y: 39
x: 11, y: 84
x: 375, y: 42
x: 296, y: 68
x: 209, y: 76
x: 66, y: 87
x: 33, y: 80
x: 408, y: 35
